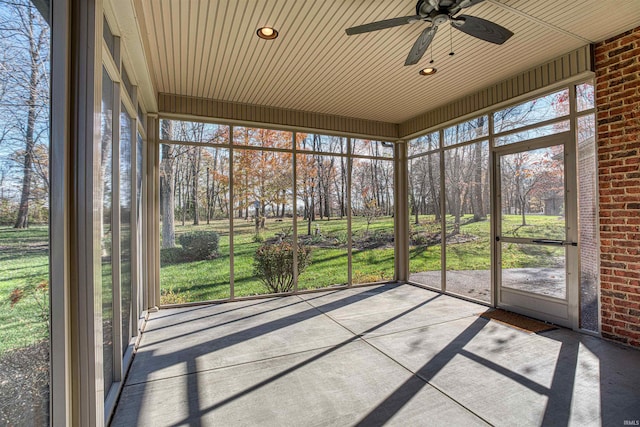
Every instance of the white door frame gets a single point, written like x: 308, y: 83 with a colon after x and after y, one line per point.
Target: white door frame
x: 564, y: 313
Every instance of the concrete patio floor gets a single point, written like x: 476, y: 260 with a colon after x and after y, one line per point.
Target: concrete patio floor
x: 391, y: 354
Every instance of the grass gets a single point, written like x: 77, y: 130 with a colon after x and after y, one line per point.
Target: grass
x: 24, y: 261
x: 208, y: 280
x: 474, y: 253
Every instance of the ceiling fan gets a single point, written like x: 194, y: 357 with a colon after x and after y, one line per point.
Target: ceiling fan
x: 437, y: 12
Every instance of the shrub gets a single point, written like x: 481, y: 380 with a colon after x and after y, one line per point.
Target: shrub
x: 168, y: 296
x: 273, y: 265
x: 419, y: 239
x: 199, y: 245
x: 38, y: 293
x: 361, y: 277
x: 342, y: 237
x: 425, y: 239
x: 171, y: 255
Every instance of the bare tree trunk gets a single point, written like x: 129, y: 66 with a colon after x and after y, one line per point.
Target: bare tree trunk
x: 433, y: 189
x: 23, y: 210
x: 209, y: 198
x: 413, y: 198
x: 284, y: 195
x: 343, y: 184
x: 476, y: 185
x: 184, y: 194
x: 22, y: 220
x: 195, y: 186
x: 167, y: 193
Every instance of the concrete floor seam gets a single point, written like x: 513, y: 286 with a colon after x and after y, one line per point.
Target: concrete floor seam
x: 363, y: 339
x: 418, y: 376
x: 415, y: 328
x: 454, y: 400
x: 427, y: 382
x: 234, y: 365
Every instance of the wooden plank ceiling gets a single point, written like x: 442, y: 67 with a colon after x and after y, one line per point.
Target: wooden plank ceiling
x: 209, y: 49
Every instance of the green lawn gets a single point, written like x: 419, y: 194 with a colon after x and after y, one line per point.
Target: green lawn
x: 474, y: 250
x: 207, y: 280
x: 24, y: 262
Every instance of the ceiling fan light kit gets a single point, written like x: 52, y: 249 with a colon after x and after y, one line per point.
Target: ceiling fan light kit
x: 439, y: 12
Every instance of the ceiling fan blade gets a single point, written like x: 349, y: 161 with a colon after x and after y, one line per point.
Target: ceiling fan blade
x: 421, y: 45
x: 481, y: 28
x: 462, y: 4
x: 468, y: 3
x: 381, y: 25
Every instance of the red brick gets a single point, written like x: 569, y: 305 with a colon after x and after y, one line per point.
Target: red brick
x: 627, y: 333
x: 606, y: 328
x: 626, y: 303
x: 615, y: 323
x: 625, y: 318
x: 617, y: 338
x: 625, y: 258
x: 618, y: 137
x: 629, y: 39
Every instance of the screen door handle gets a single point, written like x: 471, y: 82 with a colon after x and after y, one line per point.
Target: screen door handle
x: 554, y: 242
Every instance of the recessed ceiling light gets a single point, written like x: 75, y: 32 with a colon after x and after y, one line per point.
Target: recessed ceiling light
x: 267, y: 33
x: 428, y: 71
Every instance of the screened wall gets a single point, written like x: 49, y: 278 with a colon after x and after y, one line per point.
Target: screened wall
x: 120, y: 215
x: 250, y: 211
x: 25, y: 209
x: 451, y: 197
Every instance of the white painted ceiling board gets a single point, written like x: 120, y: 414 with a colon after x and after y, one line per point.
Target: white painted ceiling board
x: 209, y: 49
x: 593, y: 20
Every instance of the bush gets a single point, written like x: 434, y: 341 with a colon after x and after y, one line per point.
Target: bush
x: 168, y: 296
x: 273, y: 265
x: 199, y: 245
x: 171, y: 256
x: 342, y: 237
x: 38, y: 293
x: 425, y: 239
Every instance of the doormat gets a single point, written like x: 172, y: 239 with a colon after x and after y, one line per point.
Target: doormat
x: 518, y: 321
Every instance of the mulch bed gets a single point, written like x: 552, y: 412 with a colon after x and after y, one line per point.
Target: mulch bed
x: 24, y: 386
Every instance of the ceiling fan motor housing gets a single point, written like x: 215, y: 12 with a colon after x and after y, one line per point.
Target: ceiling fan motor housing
x: 439, y: 19
x: 430, y: 8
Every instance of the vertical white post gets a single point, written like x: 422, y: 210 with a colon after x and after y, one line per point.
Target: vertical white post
x: 401, y: 212
x: 60, y: 225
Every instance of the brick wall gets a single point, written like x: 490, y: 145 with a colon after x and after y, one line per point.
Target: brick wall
x: 617, y: 63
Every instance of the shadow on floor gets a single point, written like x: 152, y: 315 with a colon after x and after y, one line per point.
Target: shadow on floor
x: 580, y: 369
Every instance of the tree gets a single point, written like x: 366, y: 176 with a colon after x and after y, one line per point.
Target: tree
x: 167, y: 186
x: 533, y: 173
x: 424, y: 186
x: 476, y: 183
x: 307, y: 174
x: 371, y: 210
x: 25, y: 91
x: 458, y: 178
